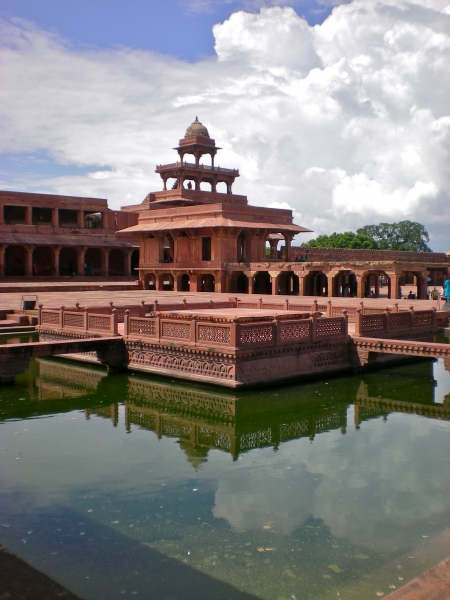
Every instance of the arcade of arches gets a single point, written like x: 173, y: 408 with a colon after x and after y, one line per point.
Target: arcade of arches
x: 50, y: 261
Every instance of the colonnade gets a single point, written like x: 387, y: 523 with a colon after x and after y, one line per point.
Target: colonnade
x: 335, y: 283
x: 51, y: 261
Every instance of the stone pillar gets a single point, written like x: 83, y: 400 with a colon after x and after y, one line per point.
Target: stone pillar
x: 220, y: 283
x: 274, y: 276
x: 80, y: 219
x: 2, y: 260
x: 55, y: 221
x: 377, y: 285
x: 287, y: 251
x: 251, y: 282
x: 361, y: 286
x: 193, y: 282
x: 394, y: 291
x: 127, y: 265
x: 56, y: 251
x: 28, y: 215
x: 301, y: 285
x: 80, y: 260
x: 422, y: 287
x: 330, y: 278
x: 29, y: 261
x: 104, y: 255
x: 158, y: 287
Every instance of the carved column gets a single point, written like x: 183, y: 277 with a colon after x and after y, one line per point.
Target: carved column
x: 193, y: 282
x: 361, y: 286
x: 55, y: 221
x: 220, y: 283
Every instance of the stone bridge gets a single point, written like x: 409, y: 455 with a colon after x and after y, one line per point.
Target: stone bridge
x: 366, y: 350
x: 15, y: 358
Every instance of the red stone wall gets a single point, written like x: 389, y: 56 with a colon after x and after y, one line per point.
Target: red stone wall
x: 339, y: 254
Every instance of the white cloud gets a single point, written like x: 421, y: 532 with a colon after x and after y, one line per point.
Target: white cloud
x: 347, y: 122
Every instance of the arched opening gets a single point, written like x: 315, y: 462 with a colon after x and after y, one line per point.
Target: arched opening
x: 116, y: 262
x: 207, y: 283
x: 134, y: 262
x: 221, y: 187
x: 15, y: 261
x: 288, y: 284
x: 243, y: 253
x: 345, y: 284
x: 316, y: 284
x: 372, y: 285
x: 93, y: 262
x: 68, y: 262
x: 168, y: 247
x: 185, y: 283
x: 206, y: 186
x: 166, y: 282
x: 43, y: 261
x: 413, y: 285
x: 242, y: 284
x: 262, y: 283
x: 275, y: 246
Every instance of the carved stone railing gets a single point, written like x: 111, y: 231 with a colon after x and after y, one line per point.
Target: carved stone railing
x: 136, y: 310
x: 391, y: 323
x: 235, y: 333
x: 81, y: 322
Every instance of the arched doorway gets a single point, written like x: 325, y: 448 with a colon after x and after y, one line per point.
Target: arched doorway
x: 134, y: 262
x: 93, y: 261
x: 185, y: 283
x: 316, y: 284
x: 43, y: 261
x: 263, y: 284
x: 15, y: 261
x: 116, y: 262
x: 288, y: 283
x: 68, y: 262
x: 242, y: 284
x: 207, y: 283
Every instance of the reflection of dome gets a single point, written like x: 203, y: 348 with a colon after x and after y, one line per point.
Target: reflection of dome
x: 196, y: 129
x: 196, y: 456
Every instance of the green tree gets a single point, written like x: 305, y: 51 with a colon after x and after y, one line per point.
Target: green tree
x: 349, y: 239
x: 404, y: 235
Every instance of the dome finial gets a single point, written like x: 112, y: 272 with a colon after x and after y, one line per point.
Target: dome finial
x: 197, y: 129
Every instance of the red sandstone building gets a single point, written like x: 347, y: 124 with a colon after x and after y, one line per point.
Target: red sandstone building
x: 63, y: 236
x: 196, y: 239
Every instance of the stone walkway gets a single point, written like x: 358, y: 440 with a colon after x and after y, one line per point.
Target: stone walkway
x: 65, y: 295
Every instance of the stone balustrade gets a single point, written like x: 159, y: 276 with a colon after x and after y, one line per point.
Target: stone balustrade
x: 389, y: 323
x: 235, y: 333
x: 77, y: 322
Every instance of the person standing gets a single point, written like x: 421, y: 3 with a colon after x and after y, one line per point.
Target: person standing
x: 447, y: 289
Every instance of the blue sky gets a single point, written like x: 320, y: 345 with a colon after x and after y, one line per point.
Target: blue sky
x: 182, y: 28
x: 337, y: 110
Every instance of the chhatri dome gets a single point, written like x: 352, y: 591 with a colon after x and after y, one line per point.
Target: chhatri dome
x: 196, y: 129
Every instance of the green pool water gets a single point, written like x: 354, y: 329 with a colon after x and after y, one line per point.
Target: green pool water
x: 130, y: 486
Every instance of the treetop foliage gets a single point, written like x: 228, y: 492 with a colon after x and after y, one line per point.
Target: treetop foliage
x: 405, y: 235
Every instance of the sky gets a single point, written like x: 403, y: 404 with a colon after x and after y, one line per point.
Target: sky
x: 337, y: 110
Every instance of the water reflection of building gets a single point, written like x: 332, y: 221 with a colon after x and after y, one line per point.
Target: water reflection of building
x: 231, y: 423
x: 58, y: 380
x: 412, y: 391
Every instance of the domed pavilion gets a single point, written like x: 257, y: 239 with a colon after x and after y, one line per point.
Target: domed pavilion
x: 197, y: 235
